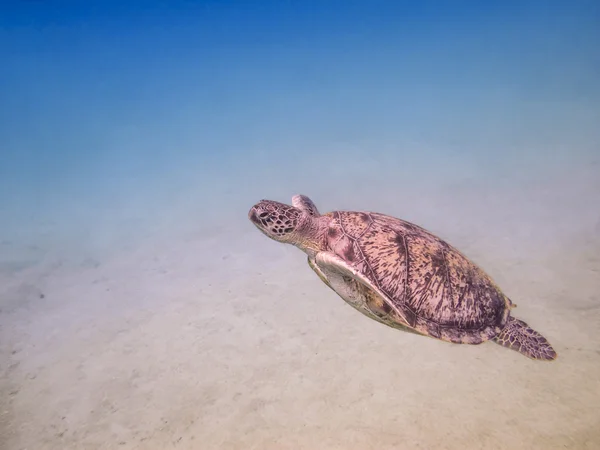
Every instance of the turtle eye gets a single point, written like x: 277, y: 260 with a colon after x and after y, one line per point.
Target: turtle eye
x: 263, y: 215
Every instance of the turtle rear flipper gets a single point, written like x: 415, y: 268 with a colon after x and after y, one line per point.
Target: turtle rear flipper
x: 517, y: 335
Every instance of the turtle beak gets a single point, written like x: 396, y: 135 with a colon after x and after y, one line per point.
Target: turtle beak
x: 253, y: 216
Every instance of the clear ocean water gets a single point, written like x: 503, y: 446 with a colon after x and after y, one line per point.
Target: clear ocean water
x: 139, y: 308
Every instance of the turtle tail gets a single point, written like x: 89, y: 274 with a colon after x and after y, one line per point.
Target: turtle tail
x: 519, y: 336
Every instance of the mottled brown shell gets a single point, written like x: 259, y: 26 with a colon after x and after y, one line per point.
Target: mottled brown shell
x: 436, y: 289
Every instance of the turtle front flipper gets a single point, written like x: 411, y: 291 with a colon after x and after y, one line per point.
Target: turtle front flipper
x: 357, y: 290
x: 517, y: 335
x: 318, y: 271
x: 305, y: 204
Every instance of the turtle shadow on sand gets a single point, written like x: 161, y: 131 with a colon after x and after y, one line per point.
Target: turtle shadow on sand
x: 401, y: 275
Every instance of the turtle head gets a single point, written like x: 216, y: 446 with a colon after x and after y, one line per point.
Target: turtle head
x: 277, y: 220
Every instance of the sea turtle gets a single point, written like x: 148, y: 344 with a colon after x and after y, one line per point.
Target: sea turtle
x: 400, y: 274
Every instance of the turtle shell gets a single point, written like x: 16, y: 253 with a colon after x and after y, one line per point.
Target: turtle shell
x: 436, y: 289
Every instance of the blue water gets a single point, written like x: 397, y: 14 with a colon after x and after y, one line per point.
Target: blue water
x: 125, y: 121
x: 107, y: 102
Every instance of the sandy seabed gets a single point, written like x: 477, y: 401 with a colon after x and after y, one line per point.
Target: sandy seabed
x: 210, y: 336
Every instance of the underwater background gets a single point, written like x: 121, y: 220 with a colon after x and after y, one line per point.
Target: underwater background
x: 140, y: 309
